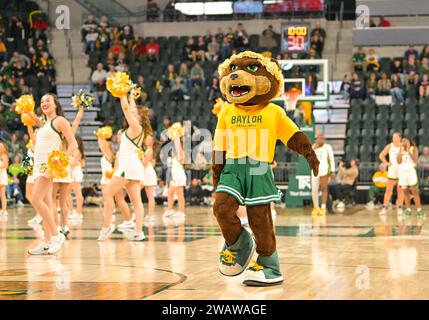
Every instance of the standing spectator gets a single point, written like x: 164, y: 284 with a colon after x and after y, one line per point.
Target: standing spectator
x: 371, y: 85
x: 318, y: 30
x: 384, y: 85
x: 346, y: 86
x: 424, y: 87
x: 356, y: 88
x: 384, y: 23
x: 213, y: 50
x: 397, y: 89
x: 152, y: 50
x: 359, y: 58
x: 225, y: 49
x: 241, y: 38
x: 411, y: 52
x: 213, y: 90
x: 423, y: 161
x: 378, y: 187
x: 197, y: 76
x: 372, y: 61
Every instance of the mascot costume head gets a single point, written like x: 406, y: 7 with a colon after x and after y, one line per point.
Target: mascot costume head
x: 244, y: 147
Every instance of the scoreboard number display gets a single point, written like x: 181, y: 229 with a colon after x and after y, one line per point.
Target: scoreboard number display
x: 296, y: 37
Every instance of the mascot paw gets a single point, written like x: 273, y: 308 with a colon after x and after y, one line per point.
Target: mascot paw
x: 313, y: 162
x: 264, y: 272
x: 234, y: 259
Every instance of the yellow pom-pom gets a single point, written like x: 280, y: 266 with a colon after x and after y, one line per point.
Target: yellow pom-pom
x: 140, y: 154
x: 82, y: 100
x: 176, y: 130
x: 27, y: 120
x: 136, y: 91
x: 57, y: 164
x: 109, y: 174
x: 219, y: 105
x: 30, y: 145
x: 25, y: 104
x: 105, y: 132
x: 119, y: 84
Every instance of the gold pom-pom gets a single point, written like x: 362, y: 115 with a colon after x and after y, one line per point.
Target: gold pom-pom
x: 82, y: 100
x: 30, y: 145
x: 25, y: 104
x: 109, y: 174
x: 105, y: 132
x: 176, y: 130
x: 136, y: 91
x: 119, y: 84
x: 219, y: 105
x: 27, y: 120
x: 140, y: 154
x: 57, y: 164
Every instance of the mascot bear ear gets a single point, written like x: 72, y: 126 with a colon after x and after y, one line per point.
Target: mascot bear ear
x: 275, y: 61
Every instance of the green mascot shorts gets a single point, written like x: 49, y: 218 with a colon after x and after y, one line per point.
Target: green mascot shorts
x: 249, y: 181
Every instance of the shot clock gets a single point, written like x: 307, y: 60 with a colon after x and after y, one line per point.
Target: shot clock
x: 295, y: 37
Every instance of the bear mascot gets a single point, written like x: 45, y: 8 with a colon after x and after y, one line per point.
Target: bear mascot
x: 244, y: 146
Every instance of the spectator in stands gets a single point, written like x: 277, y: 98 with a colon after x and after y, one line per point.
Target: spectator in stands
x: 114, y: 35
x: 152, y: 50
x: 270, y: 29
x: 425, y: 52
x: 267, y: 40
x: 346, y: 86
x: 347, y: 178
x: 208, y: 37
x: 201, y: 48
x: 397, y: 89
x: 40, y: 25
x: 424, y: 67
x: 88, y: 24
x: 144, y: 95
x: 225, y: 49
x: 317, y: 44
x: 98, y: 85
x: 197, y: 76
x: 103, y: 22
x: 423, y: 161
x: 195, y: 194
x: 117, y: 48
x: 356, y: 87
x: 379, y: 179
x: 170, y: 12
x: 383, y: 22
x: 90, y: 41
x: 384, y: 85
x: 21, y: 58
x: 160, y: 193
x: 359, y: 58
x: 371, y: 85
x: 213, y: 48
x: 213, y: 90
x: 139, y: 50
x: 127, y: 37
x: 152, y: 10
x: 372, y: 61
x: 169, y: 76
x: 7, y: 99
x: 411, y: 52
x: 189, y: 50
x: 424, y: 87
x: 372, y: 23
x: 241, y: 39
x: 411, y: 65
x: 397, y: 68
x: 318, y: 30
x: 411, y: 80
x: 3, y: 51
x: 103, y: 40
x: 178, y: 90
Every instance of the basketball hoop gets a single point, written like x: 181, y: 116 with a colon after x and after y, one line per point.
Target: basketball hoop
x: 291, y: 98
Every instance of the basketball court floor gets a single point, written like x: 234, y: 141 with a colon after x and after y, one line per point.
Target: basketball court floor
x: 353, y: 255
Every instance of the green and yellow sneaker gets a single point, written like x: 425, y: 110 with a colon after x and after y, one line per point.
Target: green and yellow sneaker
x: 234, y: 259
x: 408, y: 212
x: 264, y: 272
x: 420, y: 212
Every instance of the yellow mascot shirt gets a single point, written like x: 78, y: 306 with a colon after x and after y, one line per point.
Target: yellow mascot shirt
x: 252, y: 131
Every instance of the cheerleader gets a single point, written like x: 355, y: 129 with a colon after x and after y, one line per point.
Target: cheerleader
x: 408, y: 181
x: 177, y: 182
x: 4, y: 164
x: 150, y: 180
x: 37, y: 219
x: 129, y: 171
x: 48, y: 138
x: 392, y: 149
x: 325, y: 155
x: 78, y: 162
x: 107, y: 169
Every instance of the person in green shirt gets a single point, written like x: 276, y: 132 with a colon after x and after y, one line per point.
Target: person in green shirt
x: 15, y: 169
x: 358, y: 59
x: 197, y: 76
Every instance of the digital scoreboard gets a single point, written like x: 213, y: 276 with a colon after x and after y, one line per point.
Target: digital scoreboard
x: 296, y: 37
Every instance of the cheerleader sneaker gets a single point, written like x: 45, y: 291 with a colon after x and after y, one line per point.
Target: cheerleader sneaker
x: 315, y: 211
x: 40, y: 249
x: 65, y: 231
x: 128, y: 224
x: 420, y: 212
x: 106, y: 232
x: 399, y: 210
x: 168, y: 213
x: 56, y: 243
x: 4, y: 213
x: 179, y: 214
x: 264, y: 272
x: 383, y: 211
x: 408, y: 212
x: 322, y: 211
x: 149, y: 218
x: 137, y: 237
x: 35, y: 220
x: 234, y: 259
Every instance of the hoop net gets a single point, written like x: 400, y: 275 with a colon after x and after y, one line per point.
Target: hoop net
x: 291, y: 98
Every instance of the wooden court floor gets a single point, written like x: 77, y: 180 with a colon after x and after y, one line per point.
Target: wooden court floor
x: 354, y: 255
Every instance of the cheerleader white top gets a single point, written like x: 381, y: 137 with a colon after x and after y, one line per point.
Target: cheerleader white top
x: 47, y: 139
x: 3, y: 175
x: 130, y: 166
x: 30, y: 177
x: 106, y: 166
x: 178, y: 175
x: 150, y: 179
x: 325, y: 155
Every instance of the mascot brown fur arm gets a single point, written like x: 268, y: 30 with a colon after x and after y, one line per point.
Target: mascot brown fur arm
x: 300, y: 143
x: 218, y: 161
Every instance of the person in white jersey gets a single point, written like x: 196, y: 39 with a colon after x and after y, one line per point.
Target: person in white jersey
x: 49, y: 138
x: 150, y: 179
x: 129, y: 172
x: 325, y: 155
x: 4, y: 164
x: 392, y: 150
x: 107, y: 162
x: 408, y: 180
